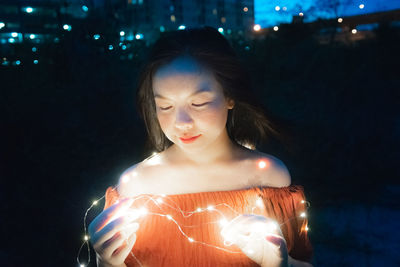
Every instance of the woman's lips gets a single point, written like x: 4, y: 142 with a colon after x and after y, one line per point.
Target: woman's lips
x: 190, y: 139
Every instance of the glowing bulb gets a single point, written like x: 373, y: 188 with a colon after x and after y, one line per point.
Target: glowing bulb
x: 125, y: 179
x: 301, y: 14
x: 221, y: 30
x: 257, y: 27
x: 32, y: 36
x: 95, y: 202
x: 277, y: 8
x: 190, y: 239
x: 245, y: 9
x: 14, y: 34
x: 306, y: 228
x: 223, y: 222
x: 284, y: 8
x: 82, y: 265
x: 260, y: 203
x: 121, y: 33
x: 353, y: 31
x: 361, y: 6
x: 85, y: 8
x: 159, y: 200
x: 262, y: 164
x: 340, y: 20
x: 303, y: 214
x: 303, y: 202
x: 28, y: 10
x: 276, y: 28
x: 198, y: 209
x: 86, y: 238
x: 271, y: 227
x: 210, y: 208
x: 181, y: 27
x: 2, y: 25
x: 169, y: 217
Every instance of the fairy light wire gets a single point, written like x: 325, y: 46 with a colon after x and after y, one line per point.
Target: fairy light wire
x: 160, y: 202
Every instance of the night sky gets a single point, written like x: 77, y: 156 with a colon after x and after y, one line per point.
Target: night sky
x: 266, y: 15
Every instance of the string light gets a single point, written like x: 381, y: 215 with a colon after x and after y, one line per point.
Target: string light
x: 258, y: 229
x: 361, y: 6
x: 277, y: 8
x: 257, y: 27
x: 340, y: 20
x: 301, y: 14
x: 354, y: 31
x: 245, y: 9
x: 276, y: 28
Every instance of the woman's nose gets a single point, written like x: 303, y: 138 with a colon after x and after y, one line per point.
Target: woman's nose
x: 183, y: 120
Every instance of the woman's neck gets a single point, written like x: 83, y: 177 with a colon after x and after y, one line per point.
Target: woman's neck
x: 222, y: 150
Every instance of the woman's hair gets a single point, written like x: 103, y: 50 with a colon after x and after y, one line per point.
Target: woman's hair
x: 247, y: 122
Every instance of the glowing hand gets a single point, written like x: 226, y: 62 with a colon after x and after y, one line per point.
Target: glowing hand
x: 113, y: 235
x: 259, y: 238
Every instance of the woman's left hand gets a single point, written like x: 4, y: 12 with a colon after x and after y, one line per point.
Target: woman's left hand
x: 260, y: 238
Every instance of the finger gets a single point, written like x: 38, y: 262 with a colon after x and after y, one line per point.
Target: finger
x: 107, y: 232
x: 278, y: 242
x: 100, y: 221
x: 111, y: 245
x: 124, y: 251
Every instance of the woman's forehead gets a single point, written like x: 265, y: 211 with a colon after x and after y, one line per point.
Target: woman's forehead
x: 183, y: 73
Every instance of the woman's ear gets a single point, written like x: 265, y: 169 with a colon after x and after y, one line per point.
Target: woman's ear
x: 230, y: 103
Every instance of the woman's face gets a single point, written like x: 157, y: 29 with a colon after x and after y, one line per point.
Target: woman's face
x: 190, y: 104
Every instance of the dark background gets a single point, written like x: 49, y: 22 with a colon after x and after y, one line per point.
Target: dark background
x: 69, y: 128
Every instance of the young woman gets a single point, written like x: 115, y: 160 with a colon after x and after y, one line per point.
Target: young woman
x: 206, y: 199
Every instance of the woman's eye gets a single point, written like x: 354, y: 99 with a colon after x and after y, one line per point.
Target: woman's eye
x: 199, y: 105
x: 166, y: 108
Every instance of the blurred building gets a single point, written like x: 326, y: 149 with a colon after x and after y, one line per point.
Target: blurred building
x: 150, y: 17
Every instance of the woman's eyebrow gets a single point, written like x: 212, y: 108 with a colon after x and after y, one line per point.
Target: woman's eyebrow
x: 198, y: 91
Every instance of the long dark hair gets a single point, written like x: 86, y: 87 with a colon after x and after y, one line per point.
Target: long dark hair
x: 247, y: 124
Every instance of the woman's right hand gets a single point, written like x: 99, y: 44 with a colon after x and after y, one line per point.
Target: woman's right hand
x: 113, y: 237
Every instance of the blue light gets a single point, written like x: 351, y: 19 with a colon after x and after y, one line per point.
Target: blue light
x: 123, y: 47
x: 121, y: 33
x: 35, y: 61
x: 85, y: 8
x: 32, y: 36
x: 18, y: 62
x: 14, y: 34
x: 2, y: 25
x: 139, y: 36
x: 162, y: 29
x: 221, y: 30
x: 182, y: 27
x: 28, y: 9
x: 110, y: 47
x: 34, y: 49
x: 11, y: 40
x: 96, y: 36
x: 67, y: 27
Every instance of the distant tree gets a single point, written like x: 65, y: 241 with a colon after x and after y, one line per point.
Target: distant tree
x: 331, y: 10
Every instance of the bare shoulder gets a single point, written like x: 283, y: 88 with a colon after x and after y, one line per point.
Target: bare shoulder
x: 269, y: 170
x: 134, y: 180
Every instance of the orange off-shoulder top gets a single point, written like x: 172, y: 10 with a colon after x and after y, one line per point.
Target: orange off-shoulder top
x: 183, y: 230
